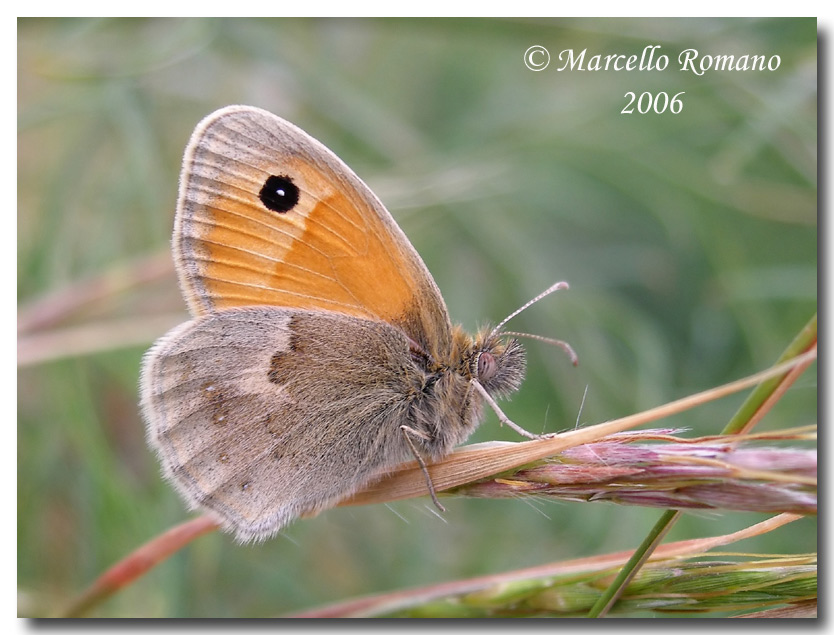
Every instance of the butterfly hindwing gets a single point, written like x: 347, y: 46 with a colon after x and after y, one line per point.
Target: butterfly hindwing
x: 238, y: 415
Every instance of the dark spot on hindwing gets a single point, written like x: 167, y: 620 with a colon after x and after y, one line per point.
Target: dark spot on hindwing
x: 279, y: 194
x: 281, y: 362
x: 279, y: 368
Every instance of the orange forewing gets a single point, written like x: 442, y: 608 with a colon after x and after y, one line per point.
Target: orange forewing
x: 250, y: 255
x: 337, y: 250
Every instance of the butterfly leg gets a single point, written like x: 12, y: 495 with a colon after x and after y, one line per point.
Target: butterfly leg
x: 504, y: 419
x: 408, y: 433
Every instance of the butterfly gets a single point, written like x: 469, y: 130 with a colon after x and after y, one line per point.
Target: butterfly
x: 320, y: 353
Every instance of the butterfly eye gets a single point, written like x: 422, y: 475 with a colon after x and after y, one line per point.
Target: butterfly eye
x: 279, y: 194
x: 486, y: 366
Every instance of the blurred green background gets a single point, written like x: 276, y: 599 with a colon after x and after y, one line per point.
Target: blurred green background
x: 689, y: 241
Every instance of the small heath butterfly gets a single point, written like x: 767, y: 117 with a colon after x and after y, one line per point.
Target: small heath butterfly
x: 321, y: 352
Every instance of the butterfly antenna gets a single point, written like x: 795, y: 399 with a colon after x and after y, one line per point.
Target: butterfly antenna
x: 556, y: 287
x: 574, y: 358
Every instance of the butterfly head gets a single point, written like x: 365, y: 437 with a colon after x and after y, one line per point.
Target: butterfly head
x: 500, y: 365
x: 495, y: 361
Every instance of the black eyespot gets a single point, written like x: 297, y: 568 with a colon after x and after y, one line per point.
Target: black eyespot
x: 279, y: 194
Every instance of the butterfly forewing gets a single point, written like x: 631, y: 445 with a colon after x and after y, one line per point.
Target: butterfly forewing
x: 335, y: 249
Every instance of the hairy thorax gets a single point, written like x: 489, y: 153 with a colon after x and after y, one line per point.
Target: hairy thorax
x: 446, y: 409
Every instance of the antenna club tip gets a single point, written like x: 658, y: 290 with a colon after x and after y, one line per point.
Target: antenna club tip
x: 574, y: 358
